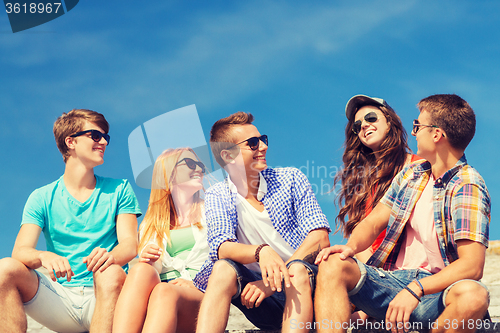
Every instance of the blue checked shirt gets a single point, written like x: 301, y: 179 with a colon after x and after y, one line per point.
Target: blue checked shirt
x: 289, y: 201
x: 461, y: 207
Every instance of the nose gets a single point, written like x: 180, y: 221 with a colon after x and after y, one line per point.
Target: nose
x: 101, y: 141
x: 200, y: 169
x: 364, y: 124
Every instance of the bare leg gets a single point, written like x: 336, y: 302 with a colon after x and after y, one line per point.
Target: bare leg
x: 214, y: 309
x: 172, y: 309
x: 299, y: 304
x: 132, y: 303
x: 108, y: 285
x: 331, y: 302
x: 18, y: 284
x: 466, y: 302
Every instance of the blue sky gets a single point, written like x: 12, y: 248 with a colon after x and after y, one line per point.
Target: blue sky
x: 293, y: 64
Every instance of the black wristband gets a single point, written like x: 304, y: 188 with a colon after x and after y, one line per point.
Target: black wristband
x: 414, y: 295
x: 257, y: 251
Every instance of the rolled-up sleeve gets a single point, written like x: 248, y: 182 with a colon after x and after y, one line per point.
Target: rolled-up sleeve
x: 471, y: 213
x: 221, y: 218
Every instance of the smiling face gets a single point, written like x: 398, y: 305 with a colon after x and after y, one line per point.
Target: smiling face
x: 372, y: 134
x: 253, y: 160
x: 425, y: 137
x: 88, y: 151
x: 186, y: 178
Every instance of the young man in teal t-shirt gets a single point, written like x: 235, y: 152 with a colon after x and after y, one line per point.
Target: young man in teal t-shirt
x: 90, y: 226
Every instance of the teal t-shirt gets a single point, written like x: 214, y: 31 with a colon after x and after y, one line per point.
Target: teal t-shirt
x: 72, y: 229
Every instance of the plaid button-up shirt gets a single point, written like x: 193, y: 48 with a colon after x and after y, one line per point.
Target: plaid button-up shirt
x: 289, y: 201
x: 461, y: 205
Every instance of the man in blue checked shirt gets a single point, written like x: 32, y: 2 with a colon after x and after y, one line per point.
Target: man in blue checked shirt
x: 426, y: 272
x: 261, y: 223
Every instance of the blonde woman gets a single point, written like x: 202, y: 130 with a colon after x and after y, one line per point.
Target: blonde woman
x: 159, y: 295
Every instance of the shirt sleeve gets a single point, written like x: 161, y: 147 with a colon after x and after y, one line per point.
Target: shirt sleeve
x: 221, y: 219
x: 128, y: 203
x: 308, y: 212
x: 34, y: 210
x: 471, y: 209
x: 392, y: 192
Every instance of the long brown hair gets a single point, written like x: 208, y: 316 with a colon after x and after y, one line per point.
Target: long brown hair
x: 362, y: 170
x: 161, y: 215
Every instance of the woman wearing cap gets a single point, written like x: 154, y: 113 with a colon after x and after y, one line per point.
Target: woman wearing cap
x: 376, y: 150
x: 158, y: 294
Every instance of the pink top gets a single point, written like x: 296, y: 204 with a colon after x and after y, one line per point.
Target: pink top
x: 420, y: 247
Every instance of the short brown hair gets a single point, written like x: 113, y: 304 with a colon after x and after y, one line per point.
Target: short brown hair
x: 453, y: 115
x: 220, y: 134
x: 72, y: 122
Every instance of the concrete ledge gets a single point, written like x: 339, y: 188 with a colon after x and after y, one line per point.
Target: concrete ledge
x: 490, y: 330
x: 493, y: 327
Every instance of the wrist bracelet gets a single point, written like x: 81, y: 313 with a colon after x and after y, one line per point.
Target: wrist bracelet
x: 421, y: 287
x: 414, y: 295
x: 257, y: 251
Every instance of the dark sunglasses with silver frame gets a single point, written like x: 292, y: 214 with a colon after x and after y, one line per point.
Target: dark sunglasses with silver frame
x: 370, y: 117
x: 254, y: 142
x: 191, y: 164
x: 95, y: 135
x: 417, y: 125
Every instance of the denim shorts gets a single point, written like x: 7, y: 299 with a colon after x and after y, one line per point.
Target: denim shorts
x: 377, y: 288
x: 269, y: 315
x: 61, y: 309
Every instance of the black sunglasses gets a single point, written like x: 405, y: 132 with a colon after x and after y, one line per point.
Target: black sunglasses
x: 370, y: 117
x: 191, y: 164
x: 94, y: 134
x: 417, y: 125
x: 254, y: 142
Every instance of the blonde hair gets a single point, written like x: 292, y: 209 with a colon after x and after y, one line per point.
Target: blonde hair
x: 161, y: 215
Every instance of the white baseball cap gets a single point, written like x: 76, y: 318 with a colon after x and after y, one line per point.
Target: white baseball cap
x: 358, y: 101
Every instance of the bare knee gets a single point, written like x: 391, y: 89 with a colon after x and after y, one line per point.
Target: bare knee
x: 164, y: 293
x: 14, y: 275
x: 142, y: 272
x: 12, y: 271
x: 469, y: 296
x: 109, y: 282
x: 223, y: 277
x: 299, y: 276
x: 335, y: 270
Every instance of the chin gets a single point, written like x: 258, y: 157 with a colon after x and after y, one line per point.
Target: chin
x: 261, y: 167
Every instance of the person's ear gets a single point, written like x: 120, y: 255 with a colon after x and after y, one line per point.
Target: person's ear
x: 227, y: 156
x: 438, y: 134
x: 70, y: 142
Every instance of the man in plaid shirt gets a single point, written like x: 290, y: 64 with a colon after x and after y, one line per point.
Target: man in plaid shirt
x: 437, y: 212
x: 261, y: 223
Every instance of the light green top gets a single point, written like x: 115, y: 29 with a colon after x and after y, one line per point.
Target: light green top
x: 181, y: 243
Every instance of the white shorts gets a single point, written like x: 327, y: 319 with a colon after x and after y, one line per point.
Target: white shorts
x: 61, y: 309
